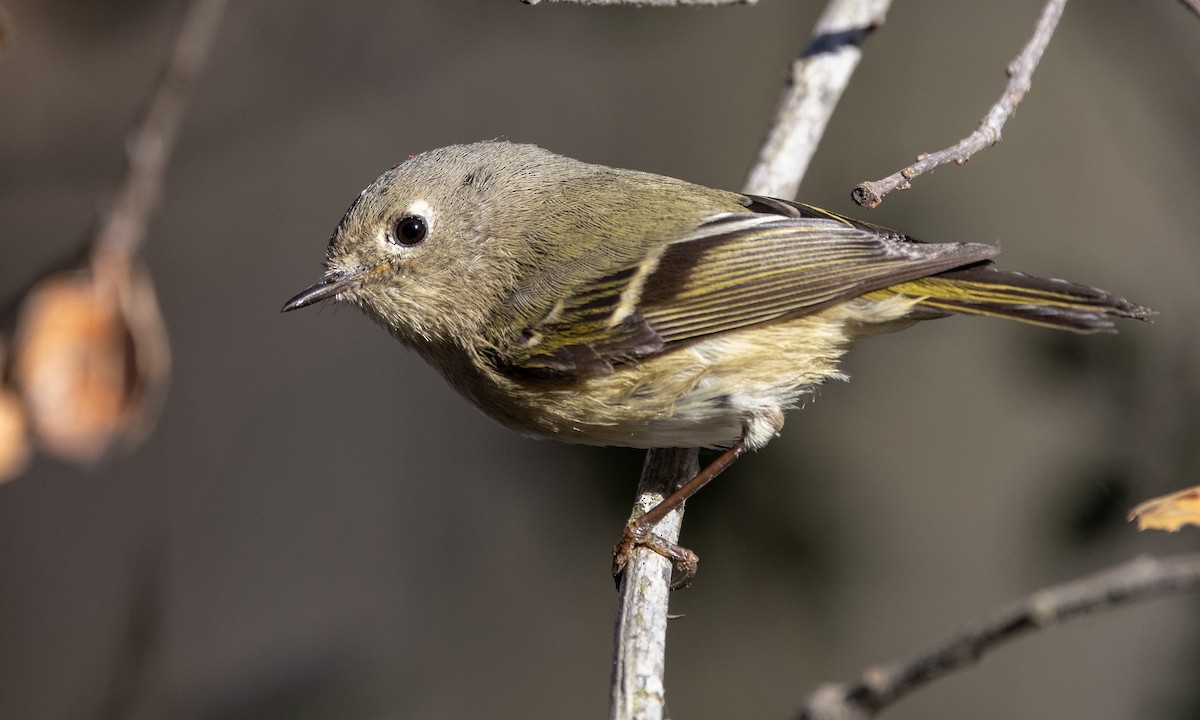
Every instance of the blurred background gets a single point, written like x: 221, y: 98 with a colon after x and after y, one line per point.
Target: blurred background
x: 318, y: 527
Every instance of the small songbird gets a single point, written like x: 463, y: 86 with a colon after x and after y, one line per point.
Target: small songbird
x: 613, y: 307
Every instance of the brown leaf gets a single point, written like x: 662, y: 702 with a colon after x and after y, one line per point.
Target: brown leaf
x: 91, y: 360
x: 1169, y: 512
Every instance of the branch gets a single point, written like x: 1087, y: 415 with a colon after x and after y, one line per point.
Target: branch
x: 6, y: 30
x: 640, y: 634
x: 123, y: 228
x: 1139, y: 579
x: 1194, y: 5
x: 818, y: 78
x: 91, y: 357
x: 646, y: 3
x: 1020, y: 71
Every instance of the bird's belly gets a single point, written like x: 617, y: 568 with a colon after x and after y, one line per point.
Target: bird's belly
x: 697, y: 418
x: 707, y: 394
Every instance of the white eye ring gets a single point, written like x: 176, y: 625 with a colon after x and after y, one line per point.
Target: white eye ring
x: 423, y: 209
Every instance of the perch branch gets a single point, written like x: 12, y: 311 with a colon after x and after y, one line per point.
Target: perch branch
x: 817, y: 80
x: 815, y: 85
x: 640, y: 633
x: 1139, y: 579
x: 1020, y: 72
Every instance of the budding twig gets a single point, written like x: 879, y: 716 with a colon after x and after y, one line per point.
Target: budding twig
x: 1020, y: 71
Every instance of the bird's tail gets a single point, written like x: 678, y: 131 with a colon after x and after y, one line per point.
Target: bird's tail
x: 1049, y: 302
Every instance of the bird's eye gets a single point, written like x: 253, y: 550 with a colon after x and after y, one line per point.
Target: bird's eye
x: 410, y: 230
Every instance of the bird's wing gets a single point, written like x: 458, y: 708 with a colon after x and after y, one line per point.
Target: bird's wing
x: 780, y: 260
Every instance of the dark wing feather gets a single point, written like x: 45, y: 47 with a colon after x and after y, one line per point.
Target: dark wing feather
x: 782, y: 260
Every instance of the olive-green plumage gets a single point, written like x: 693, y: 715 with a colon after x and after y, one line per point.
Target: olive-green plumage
x: 614, y: 307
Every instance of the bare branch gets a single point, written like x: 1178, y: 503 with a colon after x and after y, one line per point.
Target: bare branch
x: 818, y: 78
x: 646, y: 3
x: 1139, y: 579
x: 123, y: 229
x: 640, y: 635
x: 1020, y: 71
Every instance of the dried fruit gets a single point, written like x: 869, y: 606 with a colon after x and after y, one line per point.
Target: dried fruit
x: 91, y: 360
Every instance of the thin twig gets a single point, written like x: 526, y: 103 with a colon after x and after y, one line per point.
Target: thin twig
x: 645, y: 3
x: 818, y: 78
x: 123, y: 229
x: 1139, y: 579
x: 1020, y: 71
x: 119, y: 234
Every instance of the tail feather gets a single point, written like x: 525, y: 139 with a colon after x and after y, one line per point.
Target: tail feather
x: 1048, y: 302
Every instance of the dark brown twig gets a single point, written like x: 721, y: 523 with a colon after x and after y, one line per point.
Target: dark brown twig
x: 1020, y: 71
x: 1139, y: 579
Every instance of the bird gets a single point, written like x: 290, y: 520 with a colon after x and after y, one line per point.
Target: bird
x: 614, y: 307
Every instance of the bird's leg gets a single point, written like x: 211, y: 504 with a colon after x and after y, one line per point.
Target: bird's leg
x: 641, y: 531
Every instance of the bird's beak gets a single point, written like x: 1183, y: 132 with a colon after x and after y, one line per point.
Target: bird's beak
x: 327, y: 288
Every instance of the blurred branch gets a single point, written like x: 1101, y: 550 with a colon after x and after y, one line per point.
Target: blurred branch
x: 818, y: 78
x: 91, y: 359
x: 1139, y: 579
x: 646, y: 3
x: 130, y: 685
x: 6, y: 31
x: 1193, y: 4
x: 1020, y: 71
x: 123, y: 228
